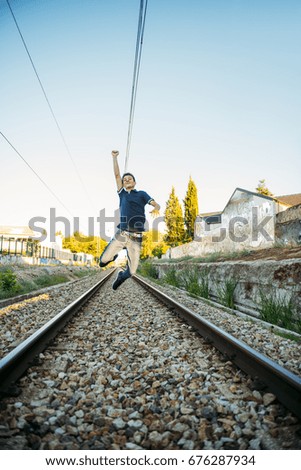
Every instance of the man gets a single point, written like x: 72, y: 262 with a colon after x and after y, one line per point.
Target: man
x: 131, y: 226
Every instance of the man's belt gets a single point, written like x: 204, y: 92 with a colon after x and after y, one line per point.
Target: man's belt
x: 133, y: 234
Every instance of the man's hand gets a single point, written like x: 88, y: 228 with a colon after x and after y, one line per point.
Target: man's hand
x: 155, y: 213
x: 115, y: 153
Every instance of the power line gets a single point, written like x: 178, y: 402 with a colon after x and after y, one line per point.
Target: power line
x: 30, y: 167
x: 48, y: 102
x: 139, y: 43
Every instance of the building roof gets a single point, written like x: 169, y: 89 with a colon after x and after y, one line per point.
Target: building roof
x: 255, y: 193
x: 209, y: 214
x: 13, y: 231
x: 290, y: 199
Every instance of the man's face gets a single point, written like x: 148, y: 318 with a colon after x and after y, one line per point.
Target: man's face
x: 128, y: 182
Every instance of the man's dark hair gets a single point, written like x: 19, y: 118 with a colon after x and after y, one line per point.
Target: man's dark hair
x: 126, y: 174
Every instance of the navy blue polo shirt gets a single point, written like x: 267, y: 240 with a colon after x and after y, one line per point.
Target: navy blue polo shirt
x: 132, y: 214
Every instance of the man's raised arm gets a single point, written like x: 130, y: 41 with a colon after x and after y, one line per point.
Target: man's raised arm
x: 115, y: 154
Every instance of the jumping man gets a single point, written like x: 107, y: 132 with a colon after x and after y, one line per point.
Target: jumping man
x: 131, y: 226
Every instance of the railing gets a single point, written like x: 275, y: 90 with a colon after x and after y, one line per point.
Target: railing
x: 23, y: 247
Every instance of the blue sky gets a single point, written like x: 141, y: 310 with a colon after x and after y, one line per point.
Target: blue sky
x: 218, y: 99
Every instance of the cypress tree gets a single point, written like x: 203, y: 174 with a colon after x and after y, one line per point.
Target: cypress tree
x: 174, y: 220
x: 191, y: 209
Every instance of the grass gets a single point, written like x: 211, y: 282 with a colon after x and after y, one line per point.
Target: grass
x: 10, y: 286
x: 290, y: 336
x: 225, y: 293
x: 210, y: 258
x: 147, y: 269
x: 279, y: 311
x: 204, y: 285
x: 46, y: 281
x: 194, y: 282
x: 272, y: 308
x: 81, y: 273
x: 171, y: 277
x: 174, y: 260
x: 24, y: 287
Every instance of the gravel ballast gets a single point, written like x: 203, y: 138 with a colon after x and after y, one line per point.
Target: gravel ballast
x: 129, y: 374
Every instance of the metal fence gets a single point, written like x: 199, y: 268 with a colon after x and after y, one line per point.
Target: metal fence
x: 24, y: 247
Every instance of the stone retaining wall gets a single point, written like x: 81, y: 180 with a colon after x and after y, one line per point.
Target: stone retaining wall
x: 278, y: 278
x: 288, y: 226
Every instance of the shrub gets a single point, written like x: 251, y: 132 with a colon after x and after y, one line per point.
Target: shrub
x: 8, y: 280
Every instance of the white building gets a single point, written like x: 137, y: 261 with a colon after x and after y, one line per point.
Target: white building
x: 248, y: 221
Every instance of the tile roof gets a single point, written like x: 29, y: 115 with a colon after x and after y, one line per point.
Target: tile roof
x: 290, y: 199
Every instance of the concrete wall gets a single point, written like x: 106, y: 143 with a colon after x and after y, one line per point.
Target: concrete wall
x: 277, y: 278
x: 288, y: 226
x: 37, y: 261
x: 31, y: 260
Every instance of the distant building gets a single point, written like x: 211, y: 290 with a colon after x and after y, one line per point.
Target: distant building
x: 19, y: 242
x: 16, y: 240
x: 249, y: 220
x: 288, y: 223
x: 290, y: 199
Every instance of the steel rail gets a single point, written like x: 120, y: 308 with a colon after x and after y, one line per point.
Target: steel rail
x: 283, y: 383
x: 15, y: 363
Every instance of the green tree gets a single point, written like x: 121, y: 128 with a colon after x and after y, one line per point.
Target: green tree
x: 153, y: 245
x: 160, y: 249
x: 174, y: 220
x: 191, y: 209
x: 262, y: 189
x: 147, y: 245
x: 79, y: 243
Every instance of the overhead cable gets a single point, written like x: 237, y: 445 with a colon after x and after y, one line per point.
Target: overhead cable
x: 42, y: 181
x: 139, y: 43
x: 48, y: 103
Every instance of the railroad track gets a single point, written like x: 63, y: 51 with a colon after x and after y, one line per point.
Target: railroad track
x: 14, y: 364
x: 284, y: 384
